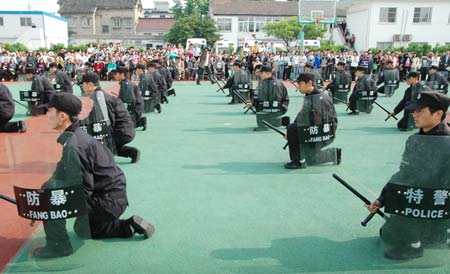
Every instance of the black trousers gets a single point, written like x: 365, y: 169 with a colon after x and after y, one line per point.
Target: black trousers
x: 353, y: 101
x: 423, y: 73
x: 6, y: 126
x: 313, y: 155
x: 201, y: 72
x: 122, y: 149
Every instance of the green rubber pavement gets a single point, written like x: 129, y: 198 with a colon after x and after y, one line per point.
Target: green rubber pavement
x: 221, y: 201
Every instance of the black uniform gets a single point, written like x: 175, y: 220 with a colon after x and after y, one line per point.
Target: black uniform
x: 104, y: 187
x: 62, y: 82
x: 45, y: 89
x: 237, y: 82
x: 133, y: 101
x: 7, y: 112
x: 363, y: 85
x: 311, y: 115
x: 122, y: 127
x: 149, y: 91
x: 162, y: 86
x: 425, y: 164
x: 166, y: 75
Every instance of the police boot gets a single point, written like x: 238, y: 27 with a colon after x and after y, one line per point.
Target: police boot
x: 171, y: 92
x: 22, y: 127
x: 130, y: 152
x: 296, y: 164
x: 143, y: 123
x: 141, y: 226
x: 404, y: 252
x: 53, y: 250
x: 158, y: 108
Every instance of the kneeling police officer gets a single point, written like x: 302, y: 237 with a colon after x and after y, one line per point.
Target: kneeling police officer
x: 103, y: 181
x: 313, y: 129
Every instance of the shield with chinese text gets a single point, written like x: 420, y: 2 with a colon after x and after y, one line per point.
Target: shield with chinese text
x: 417, y: 195
x: 52, y: 213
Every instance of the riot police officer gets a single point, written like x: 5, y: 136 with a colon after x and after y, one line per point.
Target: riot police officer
x: 167, y: 75
x: 131, y: 97
x: 389, y: 79
x: 340, y: 83
x: 318, y: 80
x: 109, y: 120
x: 147, y: 87
x: 313, y: 129
x: 411, y: 93
x: 273, y: 99
x: 43, y: 88
x: 7, y: 112
x: 436, y: 81
x: 240, y: 81
x: 160, y: 82
x: 363, y: 94
x: 425, y: 164
x: 60, y: 81
x: 103, y: 182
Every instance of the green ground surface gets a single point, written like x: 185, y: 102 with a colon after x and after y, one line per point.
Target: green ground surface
x: 221, y: 201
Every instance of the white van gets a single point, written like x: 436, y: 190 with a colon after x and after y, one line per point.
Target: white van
x: 224, y: 45
x: 192, y: 41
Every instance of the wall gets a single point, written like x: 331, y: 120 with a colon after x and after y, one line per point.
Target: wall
x: 438, y: 31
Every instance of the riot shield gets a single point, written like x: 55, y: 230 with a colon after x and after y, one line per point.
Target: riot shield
x: 341, y: 92
x: 418, y: 201
x: 32, y: 98
x: 365, y: 100
x: 316, y: 126
x: 128, y: 99
x: 389, y: 87
x: 51, y: 217
x: 95, y: 121
x: 269, y: 105
x: 439, y: 87
x: 243, y: 90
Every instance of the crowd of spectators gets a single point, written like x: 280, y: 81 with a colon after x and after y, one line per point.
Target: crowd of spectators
x: 183, y: 65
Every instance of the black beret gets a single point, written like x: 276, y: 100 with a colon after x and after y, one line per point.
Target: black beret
x: 305, y: 77
x: 413, y: 74
x: 340, y: 63
x: 30, y: 70
x: 120, y: 69
x: 237, y: 64
x: 140, y: 66
x: 361, y: 68
x: 266, y: 69
x: 90, y: 77
x: 431, y: 99
x: 65, y: 102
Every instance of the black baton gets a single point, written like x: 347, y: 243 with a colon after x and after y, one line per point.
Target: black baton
x: 339, y: 100
x: 6, y: 198
x: 244, y: 100
x: 277, y: 130
x: 393, y: 116
x: 20, y: 104
x: 360, y: 196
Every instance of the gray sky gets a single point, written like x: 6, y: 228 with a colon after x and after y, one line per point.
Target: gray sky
x: 47, y: 5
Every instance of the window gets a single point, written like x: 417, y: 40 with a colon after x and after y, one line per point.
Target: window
x: 259, y: 24
x: 243, y: 24
x: 71, y: 23
x: 87, y: 22
x: 383, y: 45
x: 127, y: 22
x: 422, y: 15
x: 105, y: 29
x: 388, y: 15
x: 251, y: 24
x: 116, y: 22
x: 1, y: 21
x: 25, y: 21
x: 224, y: 24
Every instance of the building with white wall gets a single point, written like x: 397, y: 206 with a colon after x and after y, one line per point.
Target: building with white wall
x: 383, y: 23
x: 240, y: 20
x: 35, y: 29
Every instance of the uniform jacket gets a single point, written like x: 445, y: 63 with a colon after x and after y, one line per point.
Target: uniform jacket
x: 6, y: 104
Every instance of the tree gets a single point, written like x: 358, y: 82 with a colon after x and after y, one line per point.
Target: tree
x: 288, y: 29
x: 191, y: 20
